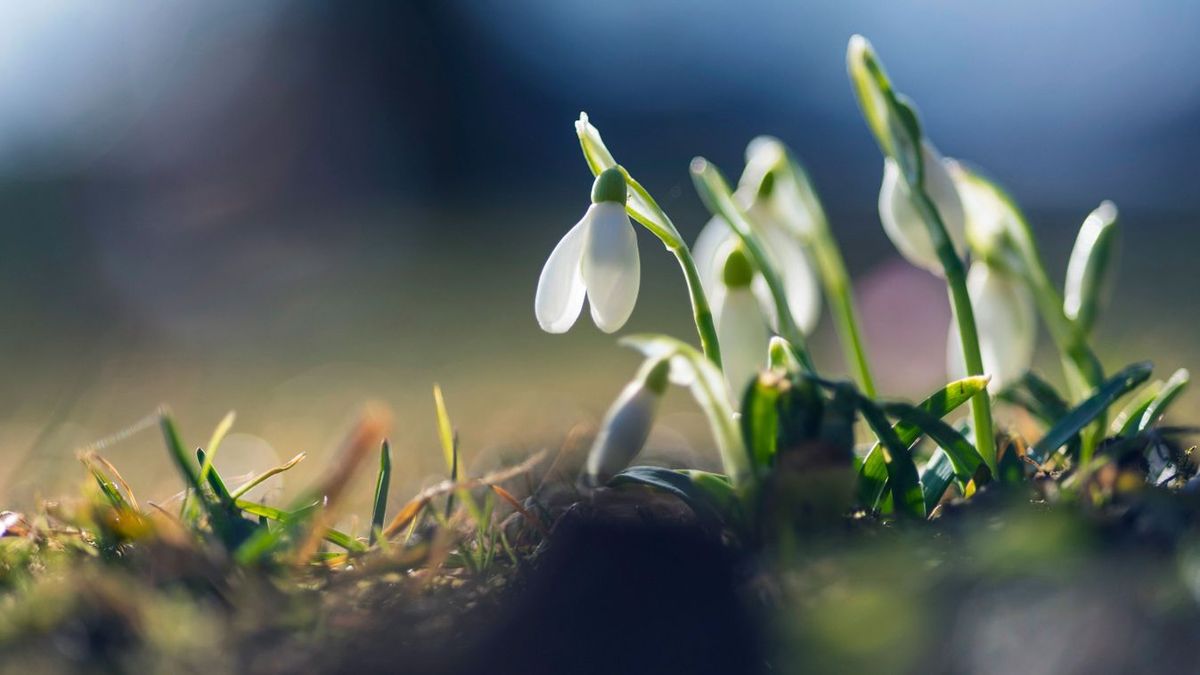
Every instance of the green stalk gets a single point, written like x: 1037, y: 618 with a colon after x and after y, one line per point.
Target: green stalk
x: 1083, y: 370
x: 964, y: 315
x: 701, y: 312
x: 840, y: 295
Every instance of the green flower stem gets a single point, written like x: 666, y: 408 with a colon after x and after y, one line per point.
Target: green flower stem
x: 716, y: 195
x: 701, y: 311
x: 840, y: 295
x: 956, y: 280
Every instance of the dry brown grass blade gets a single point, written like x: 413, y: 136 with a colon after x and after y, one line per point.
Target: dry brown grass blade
x: 516, y: 504
x: 91, y: 457
x: 366, y: 435
x: 414, y: 505
x: 275, y: 471
x: 570, y: 445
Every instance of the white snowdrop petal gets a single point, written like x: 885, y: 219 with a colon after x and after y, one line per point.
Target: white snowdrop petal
x: 623, y: 432
x: 611, y: 267
x: 940, y: 186
x: 744, y: 337
x: 560, y: 289
x: 800, y: 282
x: 712, y: 247
x: 903, y: 223
x: 1006, y: 322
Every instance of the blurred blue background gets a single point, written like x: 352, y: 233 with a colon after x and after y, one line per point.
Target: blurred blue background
x: 286, y: 208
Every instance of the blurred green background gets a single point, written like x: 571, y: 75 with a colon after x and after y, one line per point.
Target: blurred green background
x: 289, y: 208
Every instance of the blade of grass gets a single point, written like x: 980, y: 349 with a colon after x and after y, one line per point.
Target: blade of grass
x: 214, y: 442
x: 91, y: 456
x: 445, y: 431
x: 382, y: 482
x: 215, y: 481
x: 274, y: 471
x: 279, y: 515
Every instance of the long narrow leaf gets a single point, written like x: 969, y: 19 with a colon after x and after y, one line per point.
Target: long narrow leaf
x: 1039, y: 397
x: 964, y: 457
x: 1170, y: 391
x: 673, y: 482
x: 382, y: 482
x: 445, y: 430
x: 936, y: 478
x: 872, y: 475
x: 215, y: 481
x: 1095, y: 406
x: 1126, y: 422
x: 898, y: 461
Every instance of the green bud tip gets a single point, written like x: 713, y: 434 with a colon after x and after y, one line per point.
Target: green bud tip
x: 610, y: 187
x: 738, y: 272
x: 656, y: 380
x: 767, y: 184
x: 780, y: 355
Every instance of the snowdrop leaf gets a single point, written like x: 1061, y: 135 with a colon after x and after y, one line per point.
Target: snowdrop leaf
x: 962, y: 454
x: 760, y: 419
x: 1126, y: 421
x: 1090, y: 267
x: 1082, y: 415
x: 1163, y: 400
x: 872, y: 475
x: 703, y: 499
x: 898, y: 462
x: 936, y: 477
x: 1037, y: 396
x: 707, y: 387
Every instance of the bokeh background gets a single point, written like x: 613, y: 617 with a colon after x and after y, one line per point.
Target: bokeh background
x: 289, y: 208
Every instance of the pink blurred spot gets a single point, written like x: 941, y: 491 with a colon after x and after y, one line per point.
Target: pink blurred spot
x: 905, y: 315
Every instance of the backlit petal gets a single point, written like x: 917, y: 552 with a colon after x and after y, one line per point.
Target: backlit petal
x: 901, y: 220
x: 1006, y: 322
x: 796, y: 271
x: 713, y: 245
x: 742, y: 330
x: 611, y: 268
x: 560, y: 289
x: 623, y: 432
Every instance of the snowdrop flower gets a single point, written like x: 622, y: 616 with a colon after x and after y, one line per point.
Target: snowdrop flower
x: 598, y: 257
x: 784, y: 254
x: 741, y: 326
x: 779, y: 216
x: 627, y: 423
x: 1006, y: 320
x: 901, y: 219
x: 786, y: 203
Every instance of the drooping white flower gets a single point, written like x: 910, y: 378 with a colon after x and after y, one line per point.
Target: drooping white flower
x: 1006, y: 322
x: 785, y: 255
x: 627, y: 423
x: 597, y: 258
x: 741, y: 326
x: 789, y: 203
x: 902, y: 220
